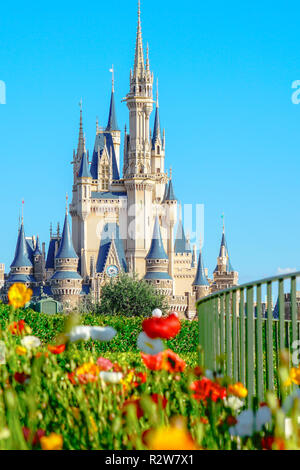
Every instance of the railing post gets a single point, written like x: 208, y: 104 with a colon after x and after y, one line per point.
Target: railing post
x: 228, y: 350
x: 250, y: 346
x: 259, y: 347
x: 242, y: 338
x: 235, y: 338
x: 269, y: 336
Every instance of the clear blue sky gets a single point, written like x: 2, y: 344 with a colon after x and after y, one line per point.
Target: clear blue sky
x: 225, y: 71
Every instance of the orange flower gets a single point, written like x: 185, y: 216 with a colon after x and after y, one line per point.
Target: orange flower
x: 238, y: 390
x: 52, y: 442
x: 19, y: 295
x: 165, y: 360
x: 169, y: 438
x: 88, y: 372
x: 272, y: 443
x: 21, y: 351
x: 56, y: 349
x: 17, y: 328
x: 206, y: 388
x: 295, y: 375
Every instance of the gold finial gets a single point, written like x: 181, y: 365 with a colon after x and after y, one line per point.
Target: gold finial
x: 80, y: 104
x: 22, y: 219
x: 157, y: 103
x: 67, y: 203
x: 223, y: 222
x: 170, y: 172
x: 97, y: 125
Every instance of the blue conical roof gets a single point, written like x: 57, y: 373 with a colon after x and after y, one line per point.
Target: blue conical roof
x: 170, y: 195
x: 37, y: 250
x: 229, y: 267
x: 157, y: 250
x: 200, y: 279
x: 66, y: 249
x: 21, y: 258
x: 156, y: 129
x: 84, y: 170
x: 181, y: 243
x: 112, y: 124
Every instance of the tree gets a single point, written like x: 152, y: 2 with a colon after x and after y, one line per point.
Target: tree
x: 127, y: 295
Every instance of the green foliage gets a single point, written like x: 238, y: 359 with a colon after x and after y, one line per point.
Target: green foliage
x: 129, y: 296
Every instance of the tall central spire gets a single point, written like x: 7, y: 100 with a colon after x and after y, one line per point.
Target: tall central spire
x: 81, y: 142
x: 139, y: 66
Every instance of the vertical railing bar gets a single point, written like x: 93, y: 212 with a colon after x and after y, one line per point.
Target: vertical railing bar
x: 222, y: 332
x: 259, y: 346
x: 269, y: 335
x: 293, y: 309
x: 250, y: 346
x: 228, y: 350
x: 242, y: 338
x: 234, y: 337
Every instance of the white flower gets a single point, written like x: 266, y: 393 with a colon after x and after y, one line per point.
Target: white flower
x: 30, y: 342
x: 149, y: 345
x: 157, y: 313
x: 111, y: 377
x: 102, y: 333
x: 249, y: 422
x: 80, y: 332
x: 234, y: 403
x: 2, y: 352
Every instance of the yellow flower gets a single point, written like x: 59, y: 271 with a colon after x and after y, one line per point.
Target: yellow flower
x: 295, y: 375
x: 93, y: 424
x: 52, y: 442
x: 19, y: 295
x: 21, y: 351
x: 170, y: 438
x: 238, y: 390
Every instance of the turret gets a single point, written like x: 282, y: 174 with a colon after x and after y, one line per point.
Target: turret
x: 157, y: 263
x: 157, y: 147
x: 38, y: 262
x: 21, y: 269
x: 224, y: 274
x: 66, y: 283
x: 112, y: 124
x: 200, y: 284
x: 170, y: 204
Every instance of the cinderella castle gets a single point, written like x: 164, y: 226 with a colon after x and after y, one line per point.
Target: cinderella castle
x: 123, y: 219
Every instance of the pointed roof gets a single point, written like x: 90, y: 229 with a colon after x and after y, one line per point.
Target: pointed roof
x: 223, y: 245
x: 84, y: 170
x: 182, y: 245
x: 157, y: 250
x: 200, y: 279
x: 102, y: 140
x: 170, y: 195
x: 66, y: 249
x: 81, y: 142
x: 110, y: 233
x: 37, y: 250
x: 21, y: 258
x: 112, y: 124
x: 139, y: 66
x: 156, y: 128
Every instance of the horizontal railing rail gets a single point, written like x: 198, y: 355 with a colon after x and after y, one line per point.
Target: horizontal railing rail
x: 242, y: 336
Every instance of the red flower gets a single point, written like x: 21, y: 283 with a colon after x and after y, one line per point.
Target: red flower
x: 57, y: 349
x: 71, y: 377
x: 206, y: 388
x: 159, y: 399
x: 140, y: 378
x: 272, y: 443
x: 21, y: 377
x: 17, y: 328
x: 165, y: 360
x: 165, y: 328
x: 136, y: 403
x: 35, y: 438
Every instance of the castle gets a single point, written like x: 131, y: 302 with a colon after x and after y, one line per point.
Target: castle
x: 122, y: 219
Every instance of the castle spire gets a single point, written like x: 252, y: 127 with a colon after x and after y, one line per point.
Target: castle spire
x: 139, y: 67
x: 112, y: 124
x: 156, y: 139
x: 157, y: 250
x: 84, y: 170
x: 200, y: 279
x: 66, y: 249
x: 223, y: 259
x: 21, y: 258
x: 81, y: 140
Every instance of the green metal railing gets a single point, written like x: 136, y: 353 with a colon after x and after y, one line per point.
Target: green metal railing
x: 239, y: 335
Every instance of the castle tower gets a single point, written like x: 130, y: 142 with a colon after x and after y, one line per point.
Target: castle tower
x: 112, y: 124
x: 157, y: 264
x: 84, y: 182
x: 157, y: 148
x: 66, y: 283
x: 138, y: 180
x: 80, y: 148
x: 38, y: 262
x: 170, y: 202
x: 224, y: 274
x: 200, y: 284
x: 2, y: 274
x: 21, y: 269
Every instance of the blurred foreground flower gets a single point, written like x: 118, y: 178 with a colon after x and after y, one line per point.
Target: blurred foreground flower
x: 35, y: 438
x: 19, y: 295
x: 249, y: 422
x: 234, y: 403
x: 56, y: 349
x: 52, y: 442
x: 111, y: 377
x: 170, y: 438
x: 18, y: 328
x: 104, y: 364
x: 164, y: 328
x: 238, y: 390
x: 30, y: 342
x: 21, y: 351
x: 165, y: 360
x: 2, y: 353
x: 21, y: 377
x: 149, y: 345
x: 97, y: 333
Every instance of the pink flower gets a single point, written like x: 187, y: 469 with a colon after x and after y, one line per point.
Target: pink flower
x: 104, y: 364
